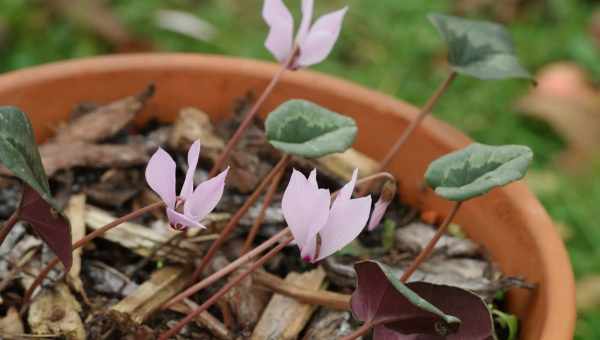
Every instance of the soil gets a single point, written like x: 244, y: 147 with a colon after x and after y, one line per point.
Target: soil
x: 113, y: 268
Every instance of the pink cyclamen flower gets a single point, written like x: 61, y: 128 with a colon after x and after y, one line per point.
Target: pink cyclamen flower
x: 378, y: 212
x: 319, y: 227
x: 315, y: 43
x: 192, y: 205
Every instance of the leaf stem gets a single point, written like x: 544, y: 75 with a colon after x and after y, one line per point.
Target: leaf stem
x: 263, y: 210
x: 429, y: 248
x: 233, y: 222
x: 227, y: 269
x: 233, y: 141
x: 360, y: 331
x: 9, y: 224
x: 85, y: 240
x: 173, y: 331
x: 425, y: 111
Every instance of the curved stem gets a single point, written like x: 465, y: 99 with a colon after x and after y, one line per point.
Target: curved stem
x: 173, y: 331
x: 366, y: 183
x: 233, y: 222
x: 425, y: 111
x: 9, y: 224
x: 429, y: 248
x: 251, y: 114
x: 263, y: 211
x: 227, y: 269
x: 89, y: 237
x: 362, y: 330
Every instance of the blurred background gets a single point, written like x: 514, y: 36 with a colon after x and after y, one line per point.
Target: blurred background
x: 388, y: 45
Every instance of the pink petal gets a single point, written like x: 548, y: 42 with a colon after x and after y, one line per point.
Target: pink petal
x: 307, y: 14
x: 312, y: 178
x: 160, y: 175
x: 346, y: 191
x: 206, y: 196
x: 322, y: 37
x: 281, y: 29
x: 305, y: 208
x: 378, y: 212
x: 346, y: 221
x: 178, y: 220
x: 188, y: 184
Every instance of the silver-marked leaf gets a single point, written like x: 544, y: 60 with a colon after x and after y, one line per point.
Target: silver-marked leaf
x: 477, y: 169
x: 305, y: 129
x: 381, y: 298
x: 19, y: 152
x: 480, y: 49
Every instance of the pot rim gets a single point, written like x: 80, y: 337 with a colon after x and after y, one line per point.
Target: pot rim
x: 560, y: 313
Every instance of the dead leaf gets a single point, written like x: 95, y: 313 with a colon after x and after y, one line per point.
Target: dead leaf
x: 57, y: 157
x: 565, y: 100
x: 56, y: 311
x: 588, y: 293
x: 11, y: 323
x: 98, y: 17
x: 116, y: 187
x: 192, y: 125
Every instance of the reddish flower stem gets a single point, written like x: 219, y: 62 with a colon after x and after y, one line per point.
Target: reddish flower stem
x: 8, y: 225
x: 80, y: 243
x: 177, y: 328
x: 263, y: 211
x: 233, y: 222
x: 429, y: 248
x: 227, y: 269
x: 425, y: 111
x: 251, y: 114
x: 365, y: 327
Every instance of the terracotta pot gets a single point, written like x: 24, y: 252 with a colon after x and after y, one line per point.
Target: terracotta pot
x: 509, y: 222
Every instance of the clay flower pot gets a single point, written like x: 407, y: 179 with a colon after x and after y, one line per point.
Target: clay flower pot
x: 509, y: 222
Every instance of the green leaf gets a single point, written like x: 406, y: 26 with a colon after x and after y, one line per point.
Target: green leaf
x: 477, y: 169
x: 480, y: 49
x: 306, y: 129
x: 19, y: 152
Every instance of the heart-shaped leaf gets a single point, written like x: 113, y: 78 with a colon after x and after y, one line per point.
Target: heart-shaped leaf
x: 480, y: 49
x: 48, y: 223
x: 476, y: 320
x: 380, y: 298
x: 305, y: 129
x: 477, y: 169
x: 19, y: 152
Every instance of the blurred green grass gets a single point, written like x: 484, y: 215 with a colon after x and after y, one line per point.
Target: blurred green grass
x: 387, y: 45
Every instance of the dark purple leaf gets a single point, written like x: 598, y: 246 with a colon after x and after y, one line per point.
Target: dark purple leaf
x: 380, y: 298
x: 48, y: 223
x: 476, y: 319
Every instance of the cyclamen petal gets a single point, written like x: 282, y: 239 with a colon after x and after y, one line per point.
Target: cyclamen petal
x: 206, y: 196
x: 315, y: 43
x: 378, y: 213
x: 188, y: 184
x: 160, y: 175
x: 346, y: 220
x: 346, y: 191
x: 299, y: 198
x: 281, y: 29
x: 319, y: 42
x: 307, y: 15
x: 308, y: 214
x: 180, y: 221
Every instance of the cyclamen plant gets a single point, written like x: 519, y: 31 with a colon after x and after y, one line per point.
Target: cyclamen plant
x: 317, y: 223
